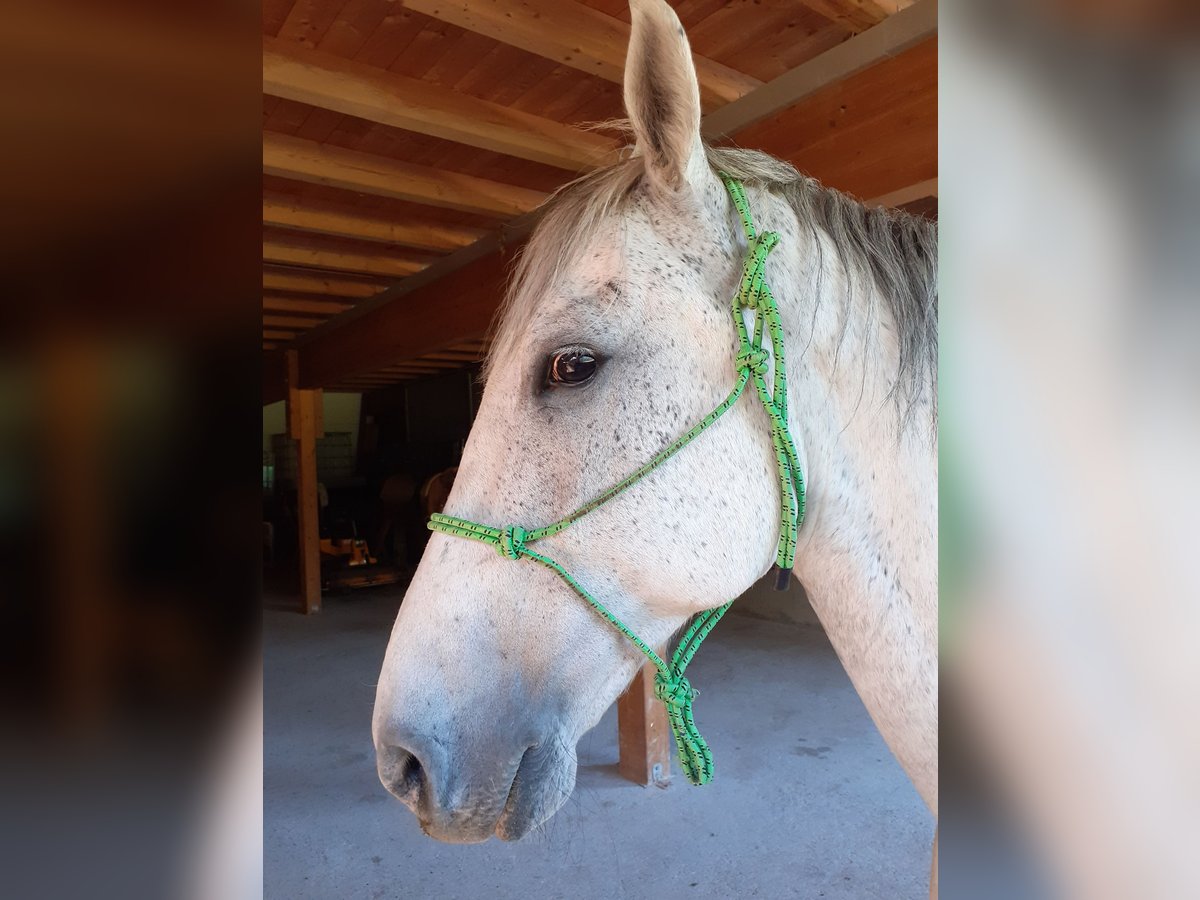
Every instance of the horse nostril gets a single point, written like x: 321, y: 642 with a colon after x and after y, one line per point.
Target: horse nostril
x: 401, y: 773
x: 411, y: 774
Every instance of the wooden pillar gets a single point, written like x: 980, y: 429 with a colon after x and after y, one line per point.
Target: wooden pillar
x: 643, y: 731
x: 304, y: 427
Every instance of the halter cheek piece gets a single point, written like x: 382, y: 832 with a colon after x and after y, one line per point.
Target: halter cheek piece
x: 512, y: 541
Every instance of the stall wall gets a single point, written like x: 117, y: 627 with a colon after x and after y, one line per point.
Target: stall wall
x: 340, y: 412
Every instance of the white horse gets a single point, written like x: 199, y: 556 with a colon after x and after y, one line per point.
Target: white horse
x: 617, y: 338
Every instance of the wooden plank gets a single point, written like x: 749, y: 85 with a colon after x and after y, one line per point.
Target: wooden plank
x: 297, y: 253
x: 877, y: 158
x: 436, y: 315
x: 782, y: 96
x: 461, y: 356
x: 919, y: 191
x: 303, y: 305
x: 296, y: 158
x: 319, y: 217
x: 575, y: 35
x: 273, y: 334
x: 290, y: 321
x: 304, y: 427
x: 643, y: 732
x: 274, y: 383
x: 856, y: 15
x: 889, y: 38
x: 423, y: 362
x: 414, y: 370
x: 839, y: 107
x: 306, y: 283
x: 854, y: 162
x: 366, y: 92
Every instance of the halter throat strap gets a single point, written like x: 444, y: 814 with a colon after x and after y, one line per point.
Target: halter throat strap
x: 752, y: 364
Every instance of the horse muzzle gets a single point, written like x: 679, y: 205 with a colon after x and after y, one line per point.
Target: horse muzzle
x: 465, y: 798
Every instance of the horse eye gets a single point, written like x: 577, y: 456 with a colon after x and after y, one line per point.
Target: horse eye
x: 572, y: 366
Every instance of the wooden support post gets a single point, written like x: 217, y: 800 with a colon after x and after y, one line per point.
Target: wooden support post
x: 643, y: 731
x: 304, y: 427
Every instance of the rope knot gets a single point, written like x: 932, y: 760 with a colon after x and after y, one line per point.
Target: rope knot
x: 676, y: 693
x: 754, y: 269
x: 512, y: 541
x: 753, y: 359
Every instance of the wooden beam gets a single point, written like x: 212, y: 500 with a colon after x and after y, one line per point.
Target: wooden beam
x: 345, y: 221
x: 856, y: 15
x: 643, y: 732
x: 306, y: 283
x: 272, y: 334
x: 300, y: 253
x: 575, y: 35
x: 890, y: 37
x: 274, y: 383
x: 482, y: 344
x: 304, y: 427
x: 450, y: 310
x: 303, y: 305
x: 385, y: 330
x: 304, y: 160
x: 918, y: 191
x: 290, y: 321
x: 424, y: 362
x: 367, y: 92
x: 868, y: 135
x: 461, y: 356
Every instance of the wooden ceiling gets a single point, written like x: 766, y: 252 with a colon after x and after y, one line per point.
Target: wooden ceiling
x: 406, y: 140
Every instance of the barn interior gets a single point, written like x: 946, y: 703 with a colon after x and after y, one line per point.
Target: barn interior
x: 407, y: 145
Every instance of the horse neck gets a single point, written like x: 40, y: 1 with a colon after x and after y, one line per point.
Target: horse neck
x: 867, y: 552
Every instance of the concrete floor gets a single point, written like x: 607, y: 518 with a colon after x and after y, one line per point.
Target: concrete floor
x: 807, y: 800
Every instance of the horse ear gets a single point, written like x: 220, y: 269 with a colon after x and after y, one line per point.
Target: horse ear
x: 662, y: 95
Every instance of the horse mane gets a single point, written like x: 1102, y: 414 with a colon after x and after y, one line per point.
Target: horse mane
x: 893, y: 249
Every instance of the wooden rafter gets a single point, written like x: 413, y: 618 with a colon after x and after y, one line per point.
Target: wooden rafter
x: 306, y: 283
x: 304, y: 160
x: 300, y: 253
x: 856, y: 15
x: 367, y: 92
x: 918, y: 191
x: 461, y: 356
x: 290, y: 321
x: 344, y: 221
x: 575, y: 35
x: 423, y: 362
x: 448, y: 306
x: 890, y: 37
x: 287, y: 304
x: 408, y: 371
x: 450, y: 310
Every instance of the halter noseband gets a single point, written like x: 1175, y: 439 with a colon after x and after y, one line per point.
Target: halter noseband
x: 512, y: 541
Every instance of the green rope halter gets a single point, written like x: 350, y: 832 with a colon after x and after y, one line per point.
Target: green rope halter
x: 752, y: 362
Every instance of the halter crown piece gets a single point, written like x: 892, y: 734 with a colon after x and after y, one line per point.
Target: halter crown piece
x: 512, y: 541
